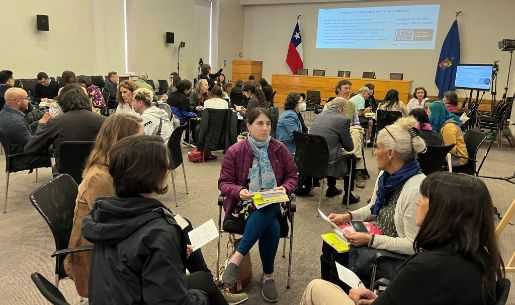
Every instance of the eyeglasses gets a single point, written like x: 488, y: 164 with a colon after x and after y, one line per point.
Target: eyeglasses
x: 391, y: 135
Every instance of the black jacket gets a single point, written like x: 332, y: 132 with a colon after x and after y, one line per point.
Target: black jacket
x: 431, y: 138
x: 3, y: 88
x: 211, y: 78
x: 179, y: 100
x: 237, y: 97
x: 138, y: 254
x: 268, y: 91
x: 42, y: 91
x: 218, y: 129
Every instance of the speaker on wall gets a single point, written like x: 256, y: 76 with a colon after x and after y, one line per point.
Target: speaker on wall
x: 169, y: 37
x: 42, y: 22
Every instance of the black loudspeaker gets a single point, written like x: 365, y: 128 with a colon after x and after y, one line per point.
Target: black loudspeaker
x: 42, y: 22
x: 169, y: 37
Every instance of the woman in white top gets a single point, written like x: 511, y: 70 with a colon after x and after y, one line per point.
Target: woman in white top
x: 419, y: 100
x: 124, y: 96
x: 216, y: 101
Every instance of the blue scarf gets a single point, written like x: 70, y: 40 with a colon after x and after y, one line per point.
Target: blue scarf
x: 261, y: 174
x: 388, y: 183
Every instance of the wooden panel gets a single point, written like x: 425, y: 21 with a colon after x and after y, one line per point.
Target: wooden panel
x: 285, y: 84
x: 241, y: 69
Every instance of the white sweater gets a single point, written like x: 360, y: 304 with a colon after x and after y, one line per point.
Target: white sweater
x: 404, y: 218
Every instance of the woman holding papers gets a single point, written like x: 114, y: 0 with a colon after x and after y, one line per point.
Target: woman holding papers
x: 393, y: 201
x: 139, y: 249
x: 457, y: 258
x: 255, y: 164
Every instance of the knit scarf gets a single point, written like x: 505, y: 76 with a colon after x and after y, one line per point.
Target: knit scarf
x: 388, y: 183
x: 261, y: 174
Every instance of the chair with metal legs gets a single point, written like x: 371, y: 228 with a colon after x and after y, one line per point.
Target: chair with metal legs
x: 174, y: 150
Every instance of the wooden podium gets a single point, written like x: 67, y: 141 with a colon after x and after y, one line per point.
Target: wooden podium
x: 241, y: 69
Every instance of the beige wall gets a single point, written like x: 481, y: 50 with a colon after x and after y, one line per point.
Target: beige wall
x: 482, y: 24
x: 229, y: 33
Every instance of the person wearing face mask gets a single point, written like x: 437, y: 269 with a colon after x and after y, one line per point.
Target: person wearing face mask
x: 289, y: 120
x: 256, y: 163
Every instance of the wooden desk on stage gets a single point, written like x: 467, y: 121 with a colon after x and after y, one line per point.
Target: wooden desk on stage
x: 285, y: 84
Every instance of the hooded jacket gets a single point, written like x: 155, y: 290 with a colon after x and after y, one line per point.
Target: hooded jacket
x: 138, y: 255
x: 155, y: 119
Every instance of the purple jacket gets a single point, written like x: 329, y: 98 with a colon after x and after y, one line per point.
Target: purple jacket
x: 236, y: 165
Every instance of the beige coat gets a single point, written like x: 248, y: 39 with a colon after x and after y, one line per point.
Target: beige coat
x: 96, y: 183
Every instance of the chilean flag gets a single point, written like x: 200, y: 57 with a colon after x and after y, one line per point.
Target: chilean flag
x: 295, y: 54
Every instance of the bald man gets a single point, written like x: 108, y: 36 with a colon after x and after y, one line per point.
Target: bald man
x: 18, y: 132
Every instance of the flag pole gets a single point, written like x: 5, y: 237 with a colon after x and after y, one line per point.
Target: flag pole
x: 458, y: 13
x: 298, y: 17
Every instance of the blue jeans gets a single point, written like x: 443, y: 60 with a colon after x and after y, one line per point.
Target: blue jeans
x: 262, y: 225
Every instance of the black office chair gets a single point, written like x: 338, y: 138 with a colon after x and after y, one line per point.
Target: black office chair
x: 151, y: 83
x: 396, y: 76
x: 502, y: 291
x: 433, y: 159
x: 55, y: 201
x: 344, y: 73
x: 49, y: 291
x: 496, y: 122
x: 369, y: 75
x: 163, y: 86
x: 271, y: 101
x: 385, y: 118
x: 10, y: 158
x: 302, y: 72
x: 473, y: 141
x: 312, y: 159
x: 98, y: 81
x: 175, y: 153
x: 60, y: 81
x: 29, y: 85
x: 235, y: 225
x: 72, y: 158
x: 318, y: 72
x: 274, y: 113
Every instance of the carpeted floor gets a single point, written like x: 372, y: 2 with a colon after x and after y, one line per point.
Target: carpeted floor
x: 26, y: 241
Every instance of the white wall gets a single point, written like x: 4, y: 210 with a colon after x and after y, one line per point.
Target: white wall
x: 482, y: 24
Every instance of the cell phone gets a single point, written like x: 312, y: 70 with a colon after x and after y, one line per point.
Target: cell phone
x: 359, y: 226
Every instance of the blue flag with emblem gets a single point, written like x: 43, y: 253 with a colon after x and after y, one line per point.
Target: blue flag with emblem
x: 448, y: 61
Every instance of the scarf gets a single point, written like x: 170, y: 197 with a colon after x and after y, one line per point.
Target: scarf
x: 261, y: 174
x: 388, y: 183
x: 424, y: 126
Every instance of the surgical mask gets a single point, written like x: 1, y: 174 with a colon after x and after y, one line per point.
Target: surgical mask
x: 302, y: 107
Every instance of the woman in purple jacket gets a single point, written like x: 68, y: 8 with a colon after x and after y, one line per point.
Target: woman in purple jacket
x: 257, y: 163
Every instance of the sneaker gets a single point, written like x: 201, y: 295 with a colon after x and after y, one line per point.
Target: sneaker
x: 268, y: 290
x: 234, y: 298
x: 353, y: 199
x: 359, y: 181
x: 332, y: 191
x: 230, y: 275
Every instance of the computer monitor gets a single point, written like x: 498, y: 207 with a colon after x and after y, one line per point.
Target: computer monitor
x: 474, y: 77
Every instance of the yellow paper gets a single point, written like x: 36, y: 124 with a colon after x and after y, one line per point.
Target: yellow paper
x: 334, y: 241
x: 261, y: 199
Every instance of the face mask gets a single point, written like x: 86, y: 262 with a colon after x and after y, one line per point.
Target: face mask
x: 302, y: 107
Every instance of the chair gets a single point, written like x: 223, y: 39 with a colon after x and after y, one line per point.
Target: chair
x: 151, y: 83
x: 72, y: 158
x: 495, y: 122
x: 235, y: 225
x: 510, y: 266
x: 174, y: 149
x: 395, y: 260
x: 473, y: 141
x: 369, y: 75
x: 18, y: 83
x: 433, y: 159
x: 385, y: 118
x: 98, y: 81
x: 343, y: 73
x: 502, y: 291
x: 312, y: 159
x: 163, y: 86
x: 318, y: 72
x: 271, y: 104
x: 302, y: 72
x: 218, y: 129
x: 49, y: 291
x: 313, y: 99
x: 9, y: 168
x: 30, y: 86
x: 396, y: 76
x: 55, y: 201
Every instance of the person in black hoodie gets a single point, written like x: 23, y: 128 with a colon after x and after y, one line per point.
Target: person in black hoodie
x: 139, y: 249
x: 205, y: 73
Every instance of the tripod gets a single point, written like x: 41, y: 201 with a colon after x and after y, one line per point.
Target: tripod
x: 181, y: 45
x: 505, y: 94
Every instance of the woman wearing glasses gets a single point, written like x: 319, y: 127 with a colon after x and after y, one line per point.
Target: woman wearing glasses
x: 393, y: 200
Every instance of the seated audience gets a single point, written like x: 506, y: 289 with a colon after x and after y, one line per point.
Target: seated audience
x: 430, y: 137
x: 175, y: 79
x: 256, y: 163
x: 69, y: 78
x: 289, y: 120
x: 215, y: 100
x: 155, y: 120
x: 359, y: 100
x: 419, y: 99
x: 255, y: 97
x: 267, y: 89
x: 46, y: 88
x: 457, y: 258
x: 77, y: 123
x: 142, y: 81
x: 252, y: 77
x: 180, y: 103
x: 6, y: 82
x: 139, y: 249
x: 237, y: 98
x: 205, y: 73
x: 392, y: 205
x: 94, y: 92
x: 199, y: 96
x: 450, y: 99
x: 124, y: 96
x: 334, y: 126
x: 111, y: 84
x: 370, y: 106
x: 301, y: 118
x: 221, y: 82
x: 18, y: 132
x: 392, y: 103
x: 448, y: 126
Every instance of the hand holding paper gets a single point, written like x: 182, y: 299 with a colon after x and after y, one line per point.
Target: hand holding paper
x: 203, y: 234
x: 348, y: 277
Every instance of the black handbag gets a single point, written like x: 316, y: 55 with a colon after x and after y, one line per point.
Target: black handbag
x: 361, y: 261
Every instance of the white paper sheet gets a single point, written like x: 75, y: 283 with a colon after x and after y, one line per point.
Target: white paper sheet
x: 324, y: 217
x: 348, y: 277
x: 203, y: 234
x: 181, y: 221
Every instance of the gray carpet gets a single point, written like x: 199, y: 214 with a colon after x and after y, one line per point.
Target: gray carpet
x: 26, y: 242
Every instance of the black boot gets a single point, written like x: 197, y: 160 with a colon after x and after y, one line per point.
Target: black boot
x: 332, y: 191
x: 352, y: 199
